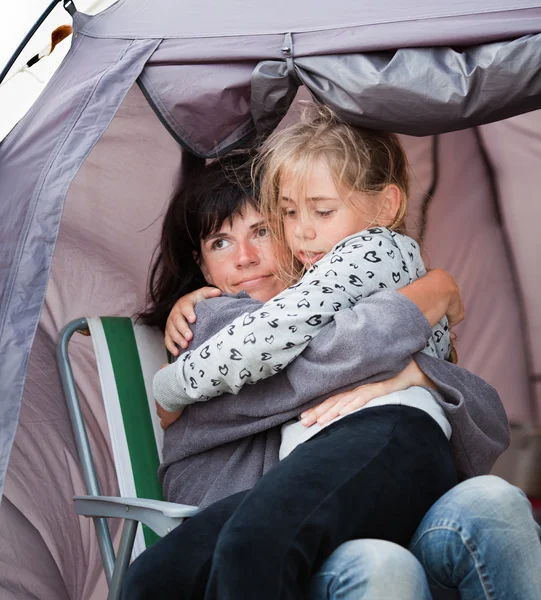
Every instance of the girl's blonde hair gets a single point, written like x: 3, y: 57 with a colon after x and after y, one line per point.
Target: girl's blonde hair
x: 359, y: 160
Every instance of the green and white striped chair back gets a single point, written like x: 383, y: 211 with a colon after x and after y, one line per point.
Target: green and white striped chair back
x: 128, y: 355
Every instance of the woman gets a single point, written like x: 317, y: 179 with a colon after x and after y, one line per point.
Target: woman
x: 189, y: 466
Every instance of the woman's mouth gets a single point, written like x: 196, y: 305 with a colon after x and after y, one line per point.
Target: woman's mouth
x: 252, y: 282
x: 309, y: 258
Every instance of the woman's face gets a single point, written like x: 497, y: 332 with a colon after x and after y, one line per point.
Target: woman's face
x: 239, y: 257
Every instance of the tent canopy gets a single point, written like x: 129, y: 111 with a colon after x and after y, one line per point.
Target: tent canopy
x: 325, y: 27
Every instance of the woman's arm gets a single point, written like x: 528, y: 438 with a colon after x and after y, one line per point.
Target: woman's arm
x: 436, y: 295
x: 475, y: 412
x: 347, y: 402
x: 177, y: 328
x: 378, y: 335
x: 356, y: 348
x: 258, y: 345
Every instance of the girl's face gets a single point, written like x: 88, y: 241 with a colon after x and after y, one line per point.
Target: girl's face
x: 319, y: 216
x: 240, y: 258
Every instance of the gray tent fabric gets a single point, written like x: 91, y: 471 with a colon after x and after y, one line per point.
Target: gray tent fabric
x: 414, y: 91
x: 38, y: 160
x: 320, y: 27
x: 206, y: 107
x: 109, y: 228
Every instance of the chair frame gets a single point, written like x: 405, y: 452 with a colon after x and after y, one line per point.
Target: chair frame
x: 160, y: 516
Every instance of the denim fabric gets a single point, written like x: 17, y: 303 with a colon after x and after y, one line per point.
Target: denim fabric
x: 370, y: 570
x: 480, y: 542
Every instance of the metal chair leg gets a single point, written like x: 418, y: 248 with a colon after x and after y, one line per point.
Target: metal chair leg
x: 122, y: 558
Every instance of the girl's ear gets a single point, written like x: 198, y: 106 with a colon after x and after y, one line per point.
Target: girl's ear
x: 391, y: 204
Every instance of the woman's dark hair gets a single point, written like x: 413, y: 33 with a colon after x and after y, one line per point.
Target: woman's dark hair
x: 205, y: 198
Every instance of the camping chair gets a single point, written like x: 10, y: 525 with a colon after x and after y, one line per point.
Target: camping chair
x: 127, y: 356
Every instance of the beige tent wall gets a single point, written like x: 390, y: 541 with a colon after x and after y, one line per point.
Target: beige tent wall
x: 463, y: 236
x: 514, y: 149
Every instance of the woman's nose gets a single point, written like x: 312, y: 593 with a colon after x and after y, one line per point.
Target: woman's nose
x: 247, y: 254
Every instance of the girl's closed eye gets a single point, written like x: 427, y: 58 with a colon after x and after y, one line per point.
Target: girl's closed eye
x: 324, y: 213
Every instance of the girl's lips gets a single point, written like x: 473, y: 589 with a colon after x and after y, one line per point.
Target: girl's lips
x: 309, y: 258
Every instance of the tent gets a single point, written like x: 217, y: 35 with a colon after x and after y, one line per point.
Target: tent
x: 86, y: 174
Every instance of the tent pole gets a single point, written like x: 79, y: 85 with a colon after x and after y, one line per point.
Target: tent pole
x: 68, y: 5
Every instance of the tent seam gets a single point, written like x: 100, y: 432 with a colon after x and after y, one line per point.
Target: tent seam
x: 30, y: 215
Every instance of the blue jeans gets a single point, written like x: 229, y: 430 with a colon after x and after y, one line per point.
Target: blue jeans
x: 478, y: 542
x: 370, y: 570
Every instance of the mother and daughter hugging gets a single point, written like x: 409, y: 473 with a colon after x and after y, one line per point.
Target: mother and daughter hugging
x: 315, y: 413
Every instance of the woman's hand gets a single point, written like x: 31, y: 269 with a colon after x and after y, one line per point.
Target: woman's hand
x: 346, y: 402
x: 177, y: 329
x: 455, y: 308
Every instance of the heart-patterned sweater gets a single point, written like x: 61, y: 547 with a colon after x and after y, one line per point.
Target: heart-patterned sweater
x: 260, y: 344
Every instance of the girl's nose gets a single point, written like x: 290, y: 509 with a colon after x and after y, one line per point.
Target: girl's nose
x: 305, y: 231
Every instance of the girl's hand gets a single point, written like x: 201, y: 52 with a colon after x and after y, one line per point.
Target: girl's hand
x: 346, y: 402
x: 177, y: 330
x: 167, y: 418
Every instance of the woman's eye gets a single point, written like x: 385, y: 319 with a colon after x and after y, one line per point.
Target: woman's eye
x: 262, y: 232
x: 220, y: 244
x: 325, y: 213
x: 289, y: 212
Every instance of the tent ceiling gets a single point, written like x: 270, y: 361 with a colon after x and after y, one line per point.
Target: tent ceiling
x: 208, y: 18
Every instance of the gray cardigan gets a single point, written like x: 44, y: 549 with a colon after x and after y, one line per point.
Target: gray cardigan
x: 224, y: 445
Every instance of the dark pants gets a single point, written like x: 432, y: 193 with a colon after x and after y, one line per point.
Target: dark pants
x: 373, y: 474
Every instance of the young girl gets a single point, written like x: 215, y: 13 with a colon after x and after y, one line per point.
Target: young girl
x: 372, y: 474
